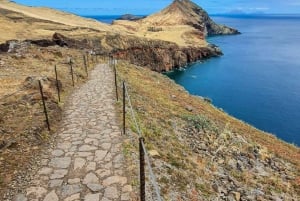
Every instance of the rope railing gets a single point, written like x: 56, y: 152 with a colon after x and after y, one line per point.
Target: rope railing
x: 132, y: 112
x: 151, y: 174
x: 58, y: 81
x: 144, y: 156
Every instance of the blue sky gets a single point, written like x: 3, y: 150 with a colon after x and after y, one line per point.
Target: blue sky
x: 113, y: 7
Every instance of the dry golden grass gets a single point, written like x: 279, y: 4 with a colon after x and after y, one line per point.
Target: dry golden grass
x: 161, y: 105
x: 55, y: 16
x: 179, y: 34
x: 22, y: 126
x: 22, y: 22
x: 153, y: 86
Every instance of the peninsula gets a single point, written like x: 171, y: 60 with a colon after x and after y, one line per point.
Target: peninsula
x: 197, y: 151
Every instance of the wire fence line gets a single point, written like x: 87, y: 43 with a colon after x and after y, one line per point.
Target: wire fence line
x: 132, y: 112
x: 147, y: 158
x: 145, y: 154
x: 40, y: 82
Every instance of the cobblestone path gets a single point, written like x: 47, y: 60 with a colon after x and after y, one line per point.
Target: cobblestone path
x: 87, y: 162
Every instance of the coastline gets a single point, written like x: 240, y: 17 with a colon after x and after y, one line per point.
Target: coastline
x: 200, y: 152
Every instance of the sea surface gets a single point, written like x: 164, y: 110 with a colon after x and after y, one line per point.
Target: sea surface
x: 258, y: 78
x: 108, y: 19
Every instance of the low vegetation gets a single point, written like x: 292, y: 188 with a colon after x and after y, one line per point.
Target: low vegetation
x: 154, y: 29
x: 203, y: 153
x: 23, y: 131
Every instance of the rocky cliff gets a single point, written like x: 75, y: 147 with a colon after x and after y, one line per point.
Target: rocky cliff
x: 163, y: 41
x: 185, y: 12
x: 157, y: 55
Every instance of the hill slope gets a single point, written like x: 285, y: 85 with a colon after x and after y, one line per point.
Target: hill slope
x: 23, y: 22
x: 182, y: 22
x: 185, y: 12
x: 200, y: 152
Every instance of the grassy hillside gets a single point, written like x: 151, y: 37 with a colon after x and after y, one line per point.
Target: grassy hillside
x: 203, y: 153
x: 23, y: 132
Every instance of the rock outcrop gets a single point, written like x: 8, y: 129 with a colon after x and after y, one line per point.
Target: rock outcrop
x: 130, y: 17
x: 162, y: 59
x: 157, y: 55
x: 185, y: 12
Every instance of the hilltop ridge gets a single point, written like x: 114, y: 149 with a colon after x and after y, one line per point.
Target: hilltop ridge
x: 182, y: 22
x: 185, y: 12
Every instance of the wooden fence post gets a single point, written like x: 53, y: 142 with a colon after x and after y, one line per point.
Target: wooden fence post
x: 44, y: 105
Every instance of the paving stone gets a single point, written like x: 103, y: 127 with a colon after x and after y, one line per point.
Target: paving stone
x: 63, y: 162
x: 125, y: 197
x: 79, y: 163
x: 103, y: 173
x: 73, y: 148
x: 57, y: 152
x: 36, y: 192
x: 90, y: 178
x: 94, y: 187
x: 91, y: 166
x: 87, y: 148
x: 90, y: 158
x: 77, y: 142
x: 91, y: 141
x: 105, y: 199
x: 92, y: 197
x: 70, y: 154
x: 51, y: 196
x: 111, y: 192
x: 58, y: 174
x: 108, y: 165
x: 55, y: 183
x: 64, y: 146
x: 127, y: 188
x: 68, y: 190
x: 100, y: 155
x: 74, y: 181
x: 106, y: 146
x: 84, y: 154
x: 74, y: 197
x: 113, y: 180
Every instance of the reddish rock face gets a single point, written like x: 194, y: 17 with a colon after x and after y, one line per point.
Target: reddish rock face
x: 158, y: 55
x: 162, y: 59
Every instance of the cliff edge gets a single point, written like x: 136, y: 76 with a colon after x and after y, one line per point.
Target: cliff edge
x: 182, y: 22
x: 185, y: 12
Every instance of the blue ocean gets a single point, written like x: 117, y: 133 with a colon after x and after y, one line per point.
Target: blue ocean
x: 258, y: 78
x: 108, y: 19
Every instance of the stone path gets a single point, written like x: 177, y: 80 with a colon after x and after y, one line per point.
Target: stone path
x: 87, y: 162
